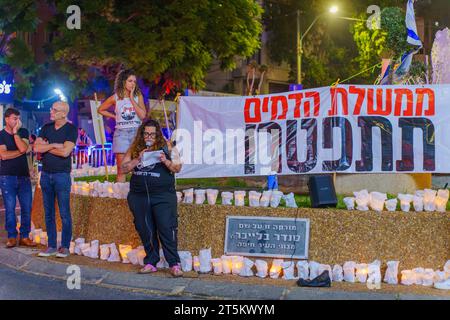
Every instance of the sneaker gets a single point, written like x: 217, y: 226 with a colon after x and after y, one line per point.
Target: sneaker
x: 63, y: 253
x: 148, y: 268
x: 48, y: 252
x: 176, y: 271
x: 443, y: 285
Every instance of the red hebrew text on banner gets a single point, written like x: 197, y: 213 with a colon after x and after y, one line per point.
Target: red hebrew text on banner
x: 347, y: 129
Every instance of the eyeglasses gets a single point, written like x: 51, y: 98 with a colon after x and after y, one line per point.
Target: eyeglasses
x: 55, y: 110
x: 151, y: 135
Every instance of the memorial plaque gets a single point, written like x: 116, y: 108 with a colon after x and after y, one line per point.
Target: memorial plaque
x: 267, y: 237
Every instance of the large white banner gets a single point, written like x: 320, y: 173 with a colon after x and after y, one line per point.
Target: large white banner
x: 346, y: 129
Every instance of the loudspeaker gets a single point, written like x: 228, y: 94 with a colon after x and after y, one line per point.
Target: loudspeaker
x: 322, y: 192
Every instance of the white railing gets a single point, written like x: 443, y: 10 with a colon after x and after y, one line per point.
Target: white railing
x: 93, y: 156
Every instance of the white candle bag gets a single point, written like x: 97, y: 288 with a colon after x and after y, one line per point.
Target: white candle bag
x: 200, y: 196
x: 303, y: 269
x: 227, y: 197
x: 205, y: 260
x: 239, y: 198
x: 261, y: 268
x: 338, y: 273
x: 253, y: 198
x: 186, y: 260
x: 212, y: 194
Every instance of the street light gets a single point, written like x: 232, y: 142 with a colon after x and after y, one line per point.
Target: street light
x: 61, y: 95
x: 332, y: 10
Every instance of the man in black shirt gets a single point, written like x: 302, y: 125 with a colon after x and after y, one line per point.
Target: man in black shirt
x: 15, y: 178
x: 56, y: 141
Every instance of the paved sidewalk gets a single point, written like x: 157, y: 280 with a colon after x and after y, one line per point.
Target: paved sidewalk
x: 24, y: 260
x: 118, y: 276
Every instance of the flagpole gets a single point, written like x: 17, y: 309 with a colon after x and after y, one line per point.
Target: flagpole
x: 102, y: 138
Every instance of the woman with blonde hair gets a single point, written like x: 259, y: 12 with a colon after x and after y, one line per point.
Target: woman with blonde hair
x: 152, y: 198
x: 128, y: 112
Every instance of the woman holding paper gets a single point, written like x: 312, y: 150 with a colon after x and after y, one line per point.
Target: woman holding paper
x: 152, y: 198
x: 128, y: 113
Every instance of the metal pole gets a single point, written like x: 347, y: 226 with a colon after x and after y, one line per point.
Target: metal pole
x: 299, y: 50
x: 102, y: 140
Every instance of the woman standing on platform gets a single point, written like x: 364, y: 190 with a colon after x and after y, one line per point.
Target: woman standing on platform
x: 152, y: 198
x: 128, y: 112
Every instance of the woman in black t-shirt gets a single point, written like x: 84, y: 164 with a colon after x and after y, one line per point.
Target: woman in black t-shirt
x: 152, y: 198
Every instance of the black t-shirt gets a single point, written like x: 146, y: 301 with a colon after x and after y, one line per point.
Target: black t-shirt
x: 50, y: 162
x: 17, y: 166
x: 153, y: 179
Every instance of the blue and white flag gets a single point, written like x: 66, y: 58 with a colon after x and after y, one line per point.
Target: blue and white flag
x: 405, y: 63
x: 413, y: 37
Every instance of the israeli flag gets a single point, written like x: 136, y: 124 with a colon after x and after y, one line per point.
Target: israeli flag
x: 405, y: 63
x: 403, y: 68
x: 413, y: 37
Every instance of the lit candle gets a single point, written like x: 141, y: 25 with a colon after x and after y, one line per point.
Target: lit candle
x: 37, y: 238
x: 72, y: 247
x: 408, y: 277
x: 44, y: 238
x: 361, y: 272
x: 237, y: 264
x: 110, y: 192
x: 441, y: 200
x: 196, y: 264
x: 226, y: 264
x: 217, y: 265
x: 405, y: 201
x: 275, y: 269
x: 124, y: 249
x: 428, y: 200
x: 239, y: 198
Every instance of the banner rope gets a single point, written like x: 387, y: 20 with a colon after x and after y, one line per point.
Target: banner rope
x: 378, y: 65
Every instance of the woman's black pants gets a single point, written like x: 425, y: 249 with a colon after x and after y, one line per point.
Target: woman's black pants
x: 155, y: 215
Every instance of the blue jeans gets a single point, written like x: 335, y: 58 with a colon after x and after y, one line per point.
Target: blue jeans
x: 57, y: 185
x: 12, y: 187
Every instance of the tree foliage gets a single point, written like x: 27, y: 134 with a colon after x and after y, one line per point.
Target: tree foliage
x: 330, y: 50
x: 389, y: 41
x: 172, y: 42
x: 327, y: 48
x: 15, y: 17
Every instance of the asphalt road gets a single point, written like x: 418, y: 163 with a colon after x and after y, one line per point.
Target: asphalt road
x: 16, y: 285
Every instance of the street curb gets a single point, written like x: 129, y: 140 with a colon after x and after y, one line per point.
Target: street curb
x: 188, y: 287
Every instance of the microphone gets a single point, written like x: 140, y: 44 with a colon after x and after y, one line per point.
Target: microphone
x: 148, y: 144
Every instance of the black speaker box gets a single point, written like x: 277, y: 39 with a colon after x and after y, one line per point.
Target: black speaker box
x: 322, y: 192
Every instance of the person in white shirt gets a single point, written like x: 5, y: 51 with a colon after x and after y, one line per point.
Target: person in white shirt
x: 128, y: 112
